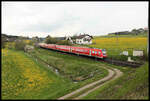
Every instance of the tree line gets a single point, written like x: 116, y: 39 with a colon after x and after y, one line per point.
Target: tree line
x: 132, y: 32
x: 52, y: 40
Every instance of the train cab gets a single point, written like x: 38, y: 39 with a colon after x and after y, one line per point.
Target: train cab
x: 100, y: 53
x: 104, y: 53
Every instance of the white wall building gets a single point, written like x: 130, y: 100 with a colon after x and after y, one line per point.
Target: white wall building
x: 84, y: 39
x: 138, y: 53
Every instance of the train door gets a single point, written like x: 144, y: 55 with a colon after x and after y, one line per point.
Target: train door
x: 71, y: 49
x: 96, y: 53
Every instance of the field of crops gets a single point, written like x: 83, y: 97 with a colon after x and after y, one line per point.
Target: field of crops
x: 114, y: 46
x: 25, y: 78
x: 21, y: 76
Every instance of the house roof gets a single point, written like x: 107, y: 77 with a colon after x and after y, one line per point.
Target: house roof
x: 82, y: 36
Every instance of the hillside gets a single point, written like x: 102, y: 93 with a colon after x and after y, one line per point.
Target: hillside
x: 133, y: 85
x: 24, y: 77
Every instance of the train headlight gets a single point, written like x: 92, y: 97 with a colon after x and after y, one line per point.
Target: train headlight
x: 104, y: 52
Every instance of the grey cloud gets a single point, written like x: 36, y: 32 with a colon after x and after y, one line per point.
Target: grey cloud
x: 94, y: 17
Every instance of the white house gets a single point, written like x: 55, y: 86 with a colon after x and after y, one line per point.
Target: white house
x: 84, y: 39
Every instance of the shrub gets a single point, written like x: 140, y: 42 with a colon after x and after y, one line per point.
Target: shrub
x: 64, y: 42
x: 19, y: 45
x: 50, y: 40
x: 145, y: 56
x: 3, y: 44
x: 31, y: 43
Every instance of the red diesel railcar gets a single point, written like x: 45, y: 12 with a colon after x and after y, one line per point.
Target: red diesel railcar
x: 95, y: 52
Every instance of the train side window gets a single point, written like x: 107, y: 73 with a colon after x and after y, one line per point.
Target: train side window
x: 99, y: 53
x: 93, y: 51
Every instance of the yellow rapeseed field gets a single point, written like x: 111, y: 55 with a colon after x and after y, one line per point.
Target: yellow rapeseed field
x: 114, y: 46
x: 120, y: 43
x: 21, y: 75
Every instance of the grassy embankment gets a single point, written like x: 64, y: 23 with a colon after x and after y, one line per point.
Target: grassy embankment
x: 132, y: 85
x: 48, y: 56
x: 72, y: 67
x: 25, y: 78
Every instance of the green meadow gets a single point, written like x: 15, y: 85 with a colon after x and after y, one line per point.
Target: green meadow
x: 25, y: 78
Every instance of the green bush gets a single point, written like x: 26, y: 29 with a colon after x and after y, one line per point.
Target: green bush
x: 31, y: 42
x: 3, y: 44
x: 145, y: 56
x: 19, y: 45
x: 64, y: 42
x: 50, y: 40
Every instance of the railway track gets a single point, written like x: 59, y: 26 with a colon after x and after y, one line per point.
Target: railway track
x: 123, y: 63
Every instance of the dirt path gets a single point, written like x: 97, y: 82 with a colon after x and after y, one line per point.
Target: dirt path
x: 113, y: 74
x: 118, y: 74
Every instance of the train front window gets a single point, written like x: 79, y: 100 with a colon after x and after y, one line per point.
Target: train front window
x: 104, y: 51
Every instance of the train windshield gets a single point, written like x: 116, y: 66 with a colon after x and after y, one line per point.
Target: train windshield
x: 104, y: 51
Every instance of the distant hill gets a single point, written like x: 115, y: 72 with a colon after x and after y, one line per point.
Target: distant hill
x: 139, y: 31
x: 11, y: 38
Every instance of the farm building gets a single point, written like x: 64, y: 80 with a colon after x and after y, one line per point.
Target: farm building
x: 81, y: 39
x: 84, y: 39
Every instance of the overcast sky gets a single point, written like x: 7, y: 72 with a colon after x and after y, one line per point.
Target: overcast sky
x: 68, y: 18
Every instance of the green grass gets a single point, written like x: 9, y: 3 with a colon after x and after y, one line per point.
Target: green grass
x: 70, y: 66
x: 132, y: 85
x: 25, y: 78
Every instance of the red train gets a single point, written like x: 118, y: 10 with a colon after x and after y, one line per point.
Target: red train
x: 99, y: 53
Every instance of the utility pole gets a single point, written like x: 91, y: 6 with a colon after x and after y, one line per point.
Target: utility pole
x: 117, y: 38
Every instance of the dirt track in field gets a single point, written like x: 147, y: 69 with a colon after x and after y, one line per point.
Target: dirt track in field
x: 113, y: 74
